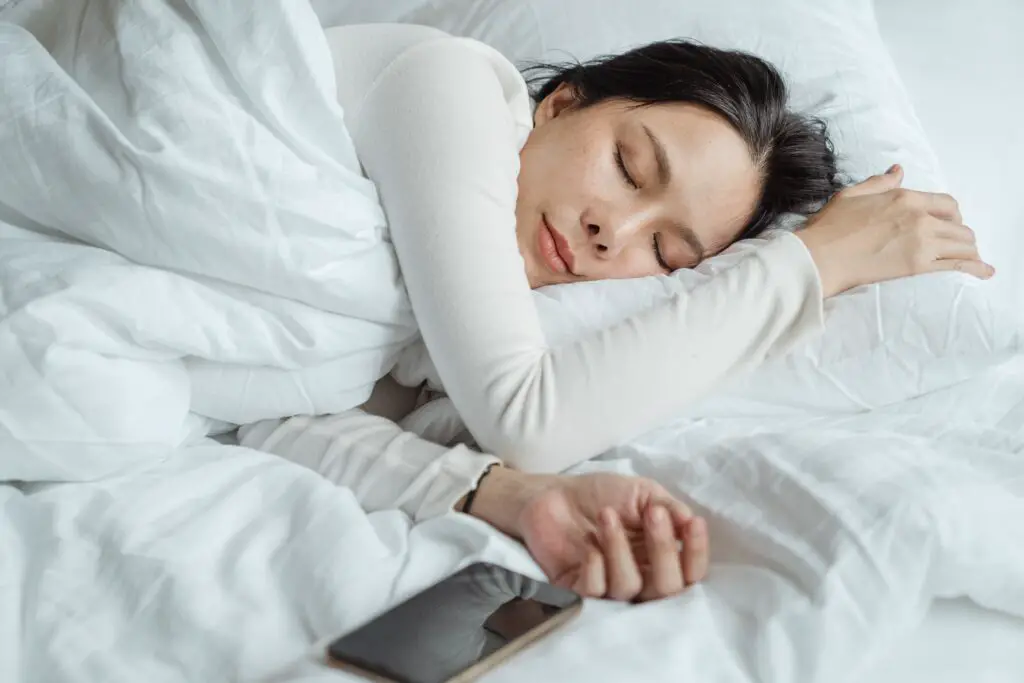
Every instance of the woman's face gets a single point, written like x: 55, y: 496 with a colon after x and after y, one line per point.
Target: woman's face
x: 618, y: 191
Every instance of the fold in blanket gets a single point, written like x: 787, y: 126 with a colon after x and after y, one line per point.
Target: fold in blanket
x: 183, y: 217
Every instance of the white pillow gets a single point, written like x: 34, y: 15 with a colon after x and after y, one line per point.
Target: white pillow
x: 829, y: 50
x: 884, y: 343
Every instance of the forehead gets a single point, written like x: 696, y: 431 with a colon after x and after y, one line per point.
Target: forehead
x: 715, y: 184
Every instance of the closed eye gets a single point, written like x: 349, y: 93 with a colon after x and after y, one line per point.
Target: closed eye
x: 622, y: 168
x: 659, y: 256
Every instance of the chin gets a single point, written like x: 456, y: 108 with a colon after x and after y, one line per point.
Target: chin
x: 536, y: 282
x: 540, y: 278
x: 549, y: 279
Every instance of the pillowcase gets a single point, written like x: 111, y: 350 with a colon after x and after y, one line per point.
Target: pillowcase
x: 884, y: 343
x: 830, y: 51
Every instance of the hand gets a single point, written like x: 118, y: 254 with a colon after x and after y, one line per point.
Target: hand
x: 878, y: 231
x: 602, y: 535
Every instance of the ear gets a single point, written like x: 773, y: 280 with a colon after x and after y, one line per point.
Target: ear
x: 561, y: 99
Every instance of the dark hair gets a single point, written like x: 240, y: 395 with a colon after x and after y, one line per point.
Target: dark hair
x: 793, y: 151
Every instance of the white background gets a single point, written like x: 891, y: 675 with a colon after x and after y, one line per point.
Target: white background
x: 963, y: 63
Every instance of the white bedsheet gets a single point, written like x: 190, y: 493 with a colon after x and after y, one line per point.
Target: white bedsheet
x: 830, y: 544
x: 958, y: 642
x: 189, y: 560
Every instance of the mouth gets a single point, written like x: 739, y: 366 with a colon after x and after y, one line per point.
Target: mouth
x: 555, y: 249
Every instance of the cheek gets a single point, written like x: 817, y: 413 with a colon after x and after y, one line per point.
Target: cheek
x: 572, y: 159
x: 576, y: 176
x: 634, y: 262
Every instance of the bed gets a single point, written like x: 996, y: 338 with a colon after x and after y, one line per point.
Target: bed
x: 862, y: 493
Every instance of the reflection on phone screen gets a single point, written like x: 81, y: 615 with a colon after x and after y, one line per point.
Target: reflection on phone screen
x: 452, y: 625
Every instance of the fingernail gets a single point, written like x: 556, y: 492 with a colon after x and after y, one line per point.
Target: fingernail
x: 893, y: 168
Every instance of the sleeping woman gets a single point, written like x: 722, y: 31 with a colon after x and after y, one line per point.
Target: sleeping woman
x: 632, y: 165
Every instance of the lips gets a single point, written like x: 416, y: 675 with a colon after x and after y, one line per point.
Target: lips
x: 555, y: 249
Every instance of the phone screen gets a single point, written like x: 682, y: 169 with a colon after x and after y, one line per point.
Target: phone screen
x: 454, y: 625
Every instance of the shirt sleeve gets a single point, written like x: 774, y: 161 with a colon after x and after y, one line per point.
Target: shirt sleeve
x: 437, y: 135
x: 386, y: 464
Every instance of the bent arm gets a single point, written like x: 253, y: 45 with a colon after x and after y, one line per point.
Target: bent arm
x: 438, y: 136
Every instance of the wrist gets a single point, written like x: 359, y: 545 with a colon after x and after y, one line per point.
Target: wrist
x: 830, y: 271
x: 503, y: 494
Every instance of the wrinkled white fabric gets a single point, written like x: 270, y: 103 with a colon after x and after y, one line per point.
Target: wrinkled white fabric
x: 185, y: 560
x: 180, y: 204
x: 832, y: 535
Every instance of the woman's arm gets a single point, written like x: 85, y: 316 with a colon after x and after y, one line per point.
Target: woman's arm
x: 385, y: 466
x: 591, y: 533
x: 438, y: 135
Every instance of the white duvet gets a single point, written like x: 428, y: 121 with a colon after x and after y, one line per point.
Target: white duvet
x: 180, y: 211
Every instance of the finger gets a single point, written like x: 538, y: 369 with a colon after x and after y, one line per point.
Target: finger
x: 621, y: 570
x: 681, y: 515
x: 679, y: 511
x: 877, y: 184
x: 956, y: 250
x: 665, y: 576
x: 591, y: 580
x: 942, y: 206
x: 696, y: 551
x: 955, y: 231
x: 978, y: 269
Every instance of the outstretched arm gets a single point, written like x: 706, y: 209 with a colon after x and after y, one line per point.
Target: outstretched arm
x: 603, y: 535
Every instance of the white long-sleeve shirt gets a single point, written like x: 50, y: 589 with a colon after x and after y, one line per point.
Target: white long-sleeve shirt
x: 437, y: 122
x: 422, y: 464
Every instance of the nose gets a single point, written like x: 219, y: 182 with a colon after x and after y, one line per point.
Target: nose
x: 611, y: 235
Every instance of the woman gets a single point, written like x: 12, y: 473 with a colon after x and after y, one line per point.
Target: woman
x: 635, y: 165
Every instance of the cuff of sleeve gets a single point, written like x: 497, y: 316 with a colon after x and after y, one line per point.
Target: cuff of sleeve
x: 790, y: 264
x: 459, y: 472
x: 255, y: 434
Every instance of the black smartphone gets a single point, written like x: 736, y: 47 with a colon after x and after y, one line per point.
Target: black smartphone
x: 457, y: 629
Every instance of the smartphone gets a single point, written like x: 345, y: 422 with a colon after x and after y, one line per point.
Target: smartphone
x: 457, y: 629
